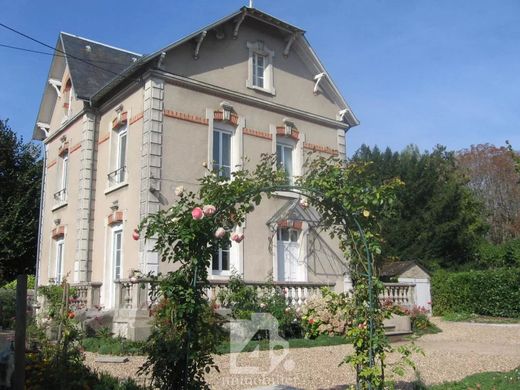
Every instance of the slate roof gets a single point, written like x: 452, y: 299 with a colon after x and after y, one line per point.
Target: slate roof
x: 397, y: 268
x: 92, y: 65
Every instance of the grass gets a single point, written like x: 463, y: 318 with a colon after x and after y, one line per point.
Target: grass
x: 112, y: 346
x: 120, y: 346
x: 467, y: 317
x: 487, y: 380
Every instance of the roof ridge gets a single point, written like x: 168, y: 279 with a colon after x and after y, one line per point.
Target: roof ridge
x: 101, y: 43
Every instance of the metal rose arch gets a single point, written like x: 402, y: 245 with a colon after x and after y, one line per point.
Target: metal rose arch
x: 182, y: 342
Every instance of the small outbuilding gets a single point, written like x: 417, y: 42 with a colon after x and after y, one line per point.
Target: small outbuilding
x: 409, y: 272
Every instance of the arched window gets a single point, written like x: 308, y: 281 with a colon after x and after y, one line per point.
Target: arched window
x: 66, y: 97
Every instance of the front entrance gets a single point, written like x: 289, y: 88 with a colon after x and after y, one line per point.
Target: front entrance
x: 291, y: 265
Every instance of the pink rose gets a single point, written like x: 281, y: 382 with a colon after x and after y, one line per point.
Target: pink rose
x: 209, y: 210
x: 311, y: 321
x: 237, y: 237
x: 220, y: 232
x: 197, y: 213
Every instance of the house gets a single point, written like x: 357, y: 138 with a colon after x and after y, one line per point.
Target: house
x: 121, y: 131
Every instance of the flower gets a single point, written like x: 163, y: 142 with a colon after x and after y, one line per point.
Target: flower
x: 220, y: 232
x: 197, y: 213
x: 237, y: 237
x: 287, y: 309
x: 179, y: 191
x: 71, y: 314
x: 133, y: 279
x: 263, y: 305
x: 311, y: 321
x: 366, y: 213
x: 304, y: 203
x: 204, y: 164
x: 135, y: 235
x: 209, y: 210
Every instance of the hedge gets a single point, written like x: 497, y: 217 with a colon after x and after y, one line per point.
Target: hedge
x: 492, y: 292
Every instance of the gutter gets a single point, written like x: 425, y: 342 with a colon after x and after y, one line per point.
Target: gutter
x: 40, y: 230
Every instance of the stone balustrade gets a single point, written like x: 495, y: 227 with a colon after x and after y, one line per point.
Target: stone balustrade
x: 296, y: 293
x: 401, y: 294
x: 88, y: 294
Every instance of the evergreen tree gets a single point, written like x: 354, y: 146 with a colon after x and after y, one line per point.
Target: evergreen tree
x: 20, y: 181
x: 437, y: 220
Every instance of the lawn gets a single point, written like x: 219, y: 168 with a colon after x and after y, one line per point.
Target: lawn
x: 121, y: 346
x: 467, y: 317
x: 487, y: 380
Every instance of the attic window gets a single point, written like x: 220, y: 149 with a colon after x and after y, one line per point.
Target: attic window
x: 66, y: 97
x: 260, y: 64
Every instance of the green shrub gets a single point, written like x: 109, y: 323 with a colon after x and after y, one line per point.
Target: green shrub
x: 12, y: 285
x: 491, y: 293
x: 7, y: 308
x: 244, y: 300
x: 500, y: 255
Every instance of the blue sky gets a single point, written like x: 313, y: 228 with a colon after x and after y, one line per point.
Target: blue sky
x: 425, y: 72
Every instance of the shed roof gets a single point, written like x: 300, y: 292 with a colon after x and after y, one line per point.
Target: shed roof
x: 396, y: 268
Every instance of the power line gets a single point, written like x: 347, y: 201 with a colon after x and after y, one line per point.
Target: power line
x: 53, y: 54
x: 60, y: 51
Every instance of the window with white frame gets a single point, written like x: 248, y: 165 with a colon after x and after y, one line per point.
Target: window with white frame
x: 61, y: 195
x: 220, y: 263
x: 284, y: 159
x: 121, y: 154
x: 117, y: 252
x: 118, y: 175
x: 59, y: 260
x: 222, y: 152
x: 259, y: 62
x: 260, y: 72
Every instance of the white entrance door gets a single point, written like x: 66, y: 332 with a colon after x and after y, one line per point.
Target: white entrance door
x: 291, y: 267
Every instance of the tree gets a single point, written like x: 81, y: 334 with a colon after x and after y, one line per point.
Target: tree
x: 492, y: 177
x: 438, y: 220
x: 20, y: 182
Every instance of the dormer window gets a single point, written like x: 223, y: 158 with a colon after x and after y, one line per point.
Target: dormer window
x: 260, y: 73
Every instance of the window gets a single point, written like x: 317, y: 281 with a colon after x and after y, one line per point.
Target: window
x: 220, y: 261
x: 59, y: 260
x: 118, y: 176
x: 222, y: 152
x: 284, y: 159
x: 121, y: 154
x: 67, y: 100
x: 288, y: 235
x: 61, y: 195
x: 117, y: 253
x: 260, y: 72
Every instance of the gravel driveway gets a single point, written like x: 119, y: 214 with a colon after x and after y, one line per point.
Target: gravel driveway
x: 460, y: 350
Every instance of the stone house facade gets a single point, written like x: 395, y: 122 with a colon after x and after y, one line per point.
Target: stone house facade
x: 121, y: 131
